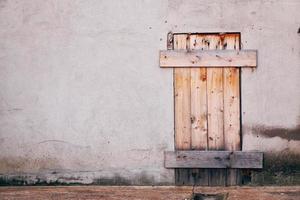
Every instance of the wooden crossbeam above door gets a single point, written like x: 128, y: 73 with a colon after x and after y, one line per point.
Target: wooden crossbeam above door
x: 213, y: 159
x: 208, y: 58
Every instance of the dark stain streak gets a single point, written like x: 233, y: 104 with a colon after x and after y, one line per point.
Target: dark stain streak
x: 203, y: 77
x: 284, y: 133
x: 141, y: 178
x: 195, y: 43
x: 193, y: 118
x: 14, y: 109
x: 11, y: 110
x: 281, y: 168
x: 3, y: 3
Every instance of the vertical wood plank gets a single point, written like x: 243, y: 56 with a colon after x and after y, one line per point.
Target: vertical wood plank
x: 182, y: 78
x: 232, y: 106
x: 182, y: 98
x: 198, y: 110
x: 198, y: 101
x: 215, y: 111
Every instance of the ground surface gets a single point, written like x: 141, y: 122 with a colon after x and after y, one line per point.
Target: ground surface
x: 134, y: 193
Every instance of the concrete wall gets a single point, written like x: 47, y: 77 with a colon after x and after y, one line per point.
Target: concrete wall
x: 82, y: 98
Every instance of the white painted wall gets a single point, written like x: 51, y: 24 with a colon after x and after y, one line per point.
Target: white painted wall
x: 82, y: 96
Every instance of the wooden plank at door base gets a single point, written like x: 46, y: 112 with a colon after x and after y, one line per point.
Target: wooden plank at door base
x: 214, y: 159
x: 208, y: 58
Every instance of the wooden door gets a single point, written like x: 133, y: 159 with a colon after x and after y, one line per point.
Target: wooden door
x: 207, y: 108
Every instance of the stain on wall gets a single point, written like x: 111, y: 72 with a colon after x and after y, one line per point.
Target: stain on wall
x: 79, y: 178
x: 279, y: 169
x: 2, y: 3
x: 284, y: 133
x: 21, y: 164
x: 266, y: 138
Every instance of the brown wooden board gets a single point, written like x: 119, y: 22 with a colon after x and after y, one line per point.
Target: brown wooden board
x: 198, y: 110
x: 208, y: 58
x: 215, y: 111
x: 214, y: 159
x: 231, y: 100
x: 182, y: 103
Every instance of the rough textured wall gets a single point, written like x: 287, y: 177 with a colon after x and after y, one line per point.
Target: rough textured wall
x: 82, y: 99
x: 82, y: 95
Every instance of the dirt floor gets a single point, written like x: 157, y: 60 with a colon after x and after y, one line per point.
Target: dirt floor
x: 148, y: 192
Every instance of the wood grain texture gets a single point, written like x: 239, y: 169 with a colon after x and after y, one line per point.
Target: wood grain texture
x: 198, y: 111
x: 215, y: 111
x: 198, y: 101
x: 213, y: 159
x: 232, y: 107
x: 182, y: 96
x: 208, y: 58
x: 182, y: 102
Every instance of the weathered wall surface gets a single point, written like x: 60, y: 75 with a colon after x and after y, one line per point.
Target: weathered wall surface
x: 82, y: 99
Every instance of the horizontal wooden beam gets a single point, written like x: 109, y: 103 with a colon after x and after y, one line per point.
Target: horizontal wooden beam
x: 213, y: 159
x: 208, y: 58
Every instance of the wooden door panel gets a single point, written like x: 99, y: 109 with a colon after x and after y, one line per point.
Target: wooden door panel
x: 207, y: 108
